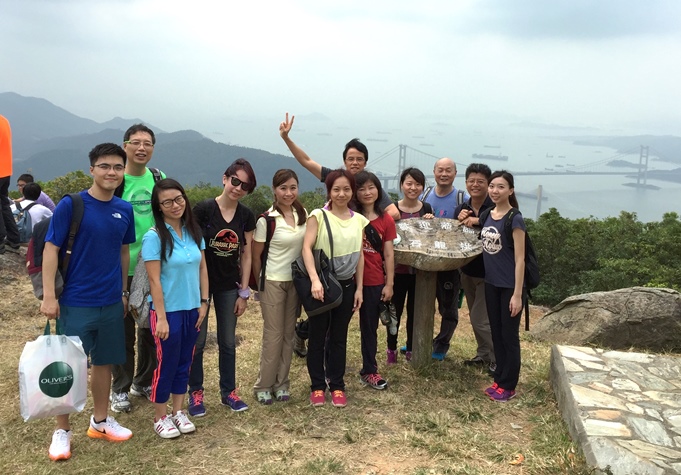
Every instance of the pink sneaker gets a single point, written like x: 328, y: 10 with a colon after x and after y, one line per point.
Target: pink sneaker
x: 338, y: 398
x: 317, y: 398
x: 407, y: 355
x: 502, y: 395
x: 392, y: 357
x: 491, y: 389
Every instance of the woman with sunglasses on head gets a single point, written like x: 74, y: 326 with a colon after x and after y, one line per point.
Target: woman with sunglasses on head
x: 176, y: 265
x: 328, y: 332
x: 278, y: 297
x: 227, y: 227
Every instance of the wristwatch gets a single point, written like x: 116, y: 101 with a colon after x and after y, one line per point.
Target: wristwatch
x: 207, y: 301
x: 126, y: 293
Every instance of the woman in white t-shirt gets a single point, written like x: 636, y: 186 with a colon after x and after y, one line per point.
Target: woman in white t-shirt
x: 278, y: 298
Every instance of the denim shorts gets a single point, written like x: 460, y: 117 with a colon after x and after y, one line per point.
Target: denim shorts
x: 100, y: 329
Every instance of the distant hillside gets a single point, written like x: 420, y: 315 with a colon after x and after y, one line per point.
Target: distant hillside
x: 666, y: 147
x: 49, y: 141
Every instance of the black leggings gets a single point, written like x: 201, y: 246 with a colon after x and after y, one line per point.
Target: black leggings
x: 505, y: 335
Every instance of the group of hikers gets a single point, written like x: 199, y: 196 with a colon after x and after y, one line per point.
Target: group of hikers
x: 201, y: 254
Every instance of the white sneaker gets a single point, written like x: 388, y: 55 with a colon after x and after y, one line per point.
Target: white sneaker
x: 165, y: 427
x: 108, y: 430
x: 60, y: 448
x: 183, y: 423
x: 120, y: 402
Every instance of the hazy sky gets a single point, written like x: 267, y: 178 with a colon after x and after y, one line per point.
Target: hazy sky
x: 610, y: 64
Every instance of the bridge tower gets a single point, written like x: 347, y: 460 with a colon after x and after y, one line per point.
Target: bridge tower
x: 402, y: 162
x: 643, y: 155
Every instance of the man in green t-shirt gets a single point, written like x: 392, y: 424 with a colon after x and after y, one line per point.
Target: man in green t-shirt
x: 138, y: 143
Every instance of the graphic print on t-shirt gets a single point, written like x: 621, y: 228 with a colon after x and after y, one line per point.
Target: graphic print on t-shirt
x: 141, y: 202
x: 491, y: 240
x: 225, y: 243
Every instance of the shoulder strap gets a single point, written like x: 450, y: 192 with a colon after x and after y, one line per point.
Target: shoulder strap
x: 18, y: 205
x: 460, y: 194
x: 483, y: 216
x: 328, y: 231
x: 157, y: 174
x: 426, y: 193
x: 374, y: 238
x: 508, y: 225
x: 76, y: 218
x: 270, y: 226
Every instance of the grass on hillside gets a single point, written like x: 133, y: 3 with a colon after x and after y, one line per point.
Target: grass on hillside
x: 434, y: 421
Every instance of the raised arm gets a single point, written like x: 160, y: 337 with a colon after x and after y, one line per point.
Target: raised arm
x: 298, y: 153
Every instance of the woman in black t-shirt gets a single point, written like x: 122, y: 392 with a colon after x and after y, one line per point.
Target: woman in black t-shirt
x: 227, y: 227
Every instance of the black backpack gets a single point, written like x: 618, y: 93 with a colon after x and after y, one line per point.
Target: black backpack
x: 532, y: 276
x: 154, y: 171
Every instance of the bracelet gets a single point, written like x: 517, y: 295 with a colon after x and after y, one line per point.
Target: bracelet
x: 244, y: 293
x: 126, y: 293
x: 206, y: 301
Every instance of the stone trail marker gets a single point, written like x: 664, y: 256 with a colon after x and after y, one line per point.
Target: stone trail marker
x: 431, y: 245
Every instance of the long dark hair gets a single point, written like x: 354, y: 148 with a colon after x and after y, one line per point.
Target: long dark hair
x: 281, y: 177
x: 360, y: 179
x: 509, y: 179
x: 187, y: 217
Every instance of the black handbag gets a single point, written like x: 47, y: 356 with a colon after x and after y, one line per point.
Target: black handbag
x: 333, y: 292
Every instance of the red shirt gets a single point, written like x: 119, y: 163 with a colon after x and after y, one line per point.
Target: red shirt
x: 373, y: 262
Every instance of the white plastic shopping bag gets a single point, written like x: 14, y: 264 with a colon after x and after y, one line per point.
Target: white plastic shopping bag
x: 52, y: 375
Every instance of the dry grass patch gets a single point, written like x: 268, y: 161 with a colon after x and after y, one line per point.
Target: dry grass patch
x: 432, y: 421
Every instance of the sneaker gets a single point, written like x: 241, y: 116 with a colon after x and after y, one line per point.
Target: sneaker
x: 141, y: 391
x: 120, y: 402
x: 108, y: 430
x: 264, y: 397
x: 234, y: 402
x: 374, y: 380
x: 491, y: 389
x: 407, y: 355
x: 475, y: 361
x: 392, y: 357
x: 12, y: 246
x: 403, y: 350
x: 60, y: 448
x: 299, y: 347
x: 438, y: 356
x: 502, y: 395
x: 282, y: 395
x: 195, y: 405
x: 182, y: 422
x: 317, y: 398
x: 338, y: 398
x: 165, y: 428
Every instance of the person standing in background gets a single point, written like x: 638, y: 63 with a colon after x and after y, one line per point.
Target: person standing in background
x: 9, y: 233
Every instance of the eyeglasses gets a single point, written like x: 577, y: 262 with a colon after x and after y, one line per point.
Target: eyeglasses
x: 244, y: 185
x: 169, y: 203
x: 137, y: 143
x: 476, y: 182
x: 19, y: 185
x: 105, y: 167
x: 355, y: 159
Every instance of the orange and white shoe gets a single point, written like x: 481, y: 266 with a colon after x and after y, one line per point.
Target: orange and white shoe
x: 60, y: 448
x: 108, y: 430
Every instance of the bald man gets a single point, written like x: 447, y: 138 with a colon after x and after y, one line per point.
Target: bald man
x: 444, y: 198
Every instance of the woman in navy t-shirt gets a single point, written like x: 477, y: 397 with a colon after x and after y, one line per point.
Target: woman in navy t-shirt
x: 504, y: 276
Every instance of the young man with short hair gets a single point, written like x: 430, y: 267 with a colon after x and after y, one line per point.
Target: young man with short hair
x: 37, y: 211
x: 26, y: 178
x: 92, y: 304
x: 138, y: 182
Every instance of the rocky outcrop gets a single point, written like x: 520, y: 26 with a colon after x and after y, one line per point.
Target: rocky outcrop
x: 637, y: 317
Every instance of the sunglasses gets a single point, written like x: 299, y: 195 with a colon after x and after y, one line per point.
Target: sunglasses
x: 244, y: 185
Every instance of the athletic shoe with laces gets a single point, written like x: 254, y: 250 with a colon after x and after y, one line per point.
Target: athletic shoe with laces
x: 141, y: 391
x: 392, y: 356
x: 317, y: 398
x: 264, y: 397
x: 338, y: 398
x: 165, y: 428
x: 282, y: 395
x: 374, y: 380
x: 502, y: 395
x: 234, y: 402
x: 195, y: 405
x: 108, y: 430
x: 477, y: 360
x: 60, y: 448
x: 491, y: 389
x: 12, y: 246
x: 120, y: 402
x: 182, y: 422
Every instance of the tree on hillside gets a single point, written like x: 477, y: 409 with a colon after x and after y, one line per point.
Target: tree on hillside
x: 72, y: 182
x: 313, y: 199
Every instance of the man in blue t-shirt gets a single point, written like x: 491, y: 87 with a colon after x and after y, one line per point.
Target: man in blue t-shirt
x: 444, y: 198
x: 95, y: 293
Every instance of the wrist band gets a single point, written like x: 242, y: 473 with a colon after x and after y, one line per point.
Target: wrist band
x: 244, y: 293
